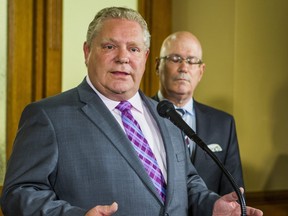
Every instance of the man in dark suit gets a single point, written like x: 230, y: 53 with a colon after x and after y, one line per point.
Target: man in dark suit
x: 180, y: 69
x: 72, y: 156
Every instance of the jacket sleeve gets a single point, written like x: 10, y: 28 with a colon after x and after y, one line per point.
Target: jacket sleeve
x: 32, y: 169
x: 200, y: 199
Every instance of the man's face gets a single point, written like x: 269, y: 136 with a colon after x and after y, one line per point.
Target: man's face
x: 116, y: 59
x: 179, y: 80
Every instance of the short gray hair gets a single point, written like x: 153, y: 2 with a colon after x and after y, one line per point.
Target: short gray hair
x: 116, y: 13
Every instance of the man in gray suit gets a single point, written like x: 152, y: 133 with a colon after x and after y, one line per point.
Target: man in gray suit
x: 180, y: 69
x: 72, y: 156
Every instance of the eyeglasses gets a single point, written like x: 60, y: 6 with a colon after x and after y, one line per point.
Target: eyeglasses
x: 177, y: 59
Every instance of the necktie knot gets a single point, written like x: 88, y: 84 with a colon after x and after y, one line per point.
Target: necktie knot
x: 124, y: 106
x: 181, y: 111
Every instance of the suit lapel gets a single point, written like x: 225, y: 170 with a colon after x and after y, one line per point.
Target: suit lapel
x: 203, y: 123
x: 203, y: 120
x: 98, y: 113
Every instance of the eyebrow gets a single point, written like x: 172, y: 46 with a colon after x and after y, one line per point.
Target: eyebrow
x: 117, y: 42
x: 190, y: 56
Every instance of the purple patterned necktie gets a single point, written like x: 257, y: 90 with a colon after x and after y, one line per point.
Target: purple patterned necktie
x: 142, y: 147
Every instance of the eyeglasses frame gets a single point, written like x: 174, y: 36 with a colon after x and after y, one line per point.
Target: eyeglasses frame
x: 181, y: 59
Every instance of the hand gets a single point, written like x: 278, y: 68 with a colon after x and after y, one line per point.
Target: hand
x: 227, y: 206
x: 103, y: 210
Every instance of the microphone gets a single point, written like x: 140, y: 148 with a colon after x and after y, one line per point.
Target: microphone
x: 167, y: 110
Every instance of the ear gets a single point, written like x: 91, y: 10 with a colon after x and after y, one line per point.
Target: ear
x: 157, y: 63
x: 86, y: 50
x: 202, y: 70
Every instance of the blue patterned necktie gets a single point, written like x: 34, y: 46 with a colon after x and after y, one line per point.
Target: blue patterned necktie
x: 187, y: 140
x: 142, y: 147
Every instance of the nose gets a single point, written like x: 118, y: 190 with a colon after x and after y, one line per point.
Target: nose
x: 183, y: 67
x: 123, y: 60
x: 123, y: 56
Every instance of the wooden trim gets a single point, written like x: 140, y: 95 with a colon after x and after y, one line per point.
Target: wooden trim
x: 19, y: 67
x: 270, y: 202
x: 267, y: 197
x: 34, y: 56
x: 158, y: 17
x: 53, y: 47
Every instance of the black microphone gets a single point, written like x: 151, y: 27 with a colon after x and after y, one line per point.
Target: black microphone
x: 167, y: 110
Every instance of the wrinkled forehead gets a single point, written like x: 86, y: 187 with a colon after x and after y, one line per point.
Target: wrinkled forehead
x: 121, y: 30
x: 185, y: 46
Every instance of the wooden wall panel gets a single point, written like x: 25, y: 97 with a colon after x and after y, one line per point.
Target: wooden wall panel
x: 270, y: 202
x: 158, y: 17
x: 53, y: 50
x: 20, y: 63
x: 34, y: 56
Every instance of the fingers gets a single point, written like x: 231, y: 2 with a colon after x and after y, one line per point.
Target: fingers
x: 232, y: 196
x: 114, y: 207
x: 253, y: 211
x: 241, y: 189
x: 103, y: 210
x: 108, y: 209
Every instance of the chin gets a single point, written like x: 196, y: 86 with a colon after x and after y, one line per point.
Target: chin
x: 182, y: 90
x: 121, y: 90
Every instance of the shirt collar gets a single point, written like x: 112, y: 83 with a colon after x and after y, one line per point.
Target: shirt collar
x: 135, y: 101
x: 188, y: 107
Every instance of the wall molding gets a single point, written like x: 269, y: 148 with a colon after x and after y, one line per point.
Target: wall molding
x: 270, y: 202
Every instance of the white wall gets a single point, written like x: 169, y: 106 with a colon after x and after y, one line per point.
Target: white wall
x: 76, y: 18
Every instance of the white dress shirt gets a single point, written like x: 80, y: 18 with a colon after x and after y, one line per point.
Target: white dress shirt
x: 189, y: 117
x: 147, y: 123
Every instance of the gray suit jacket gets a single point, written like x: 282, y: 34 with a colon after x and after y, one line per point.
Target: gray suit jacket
x: 70, y: 154
x: 216, y: 127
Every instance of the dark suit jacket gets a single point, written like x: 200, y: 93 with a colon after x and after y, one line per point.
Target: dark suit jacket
x: 216, y: 127
x: 70, y: 154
